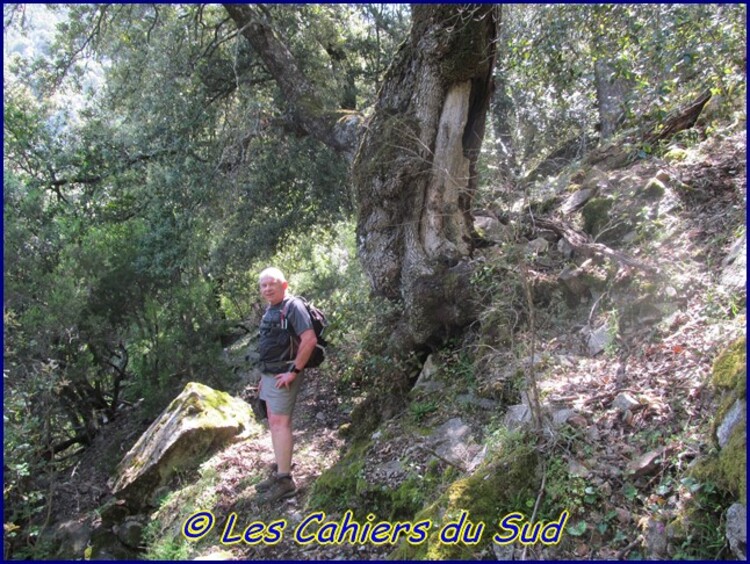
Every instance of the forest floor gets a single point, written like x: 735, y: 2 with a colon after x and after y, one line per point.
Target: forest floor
x: 641, y: 409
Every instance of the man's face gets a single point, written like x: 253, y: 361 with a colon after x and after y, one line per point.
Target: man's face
x: 272, y: 290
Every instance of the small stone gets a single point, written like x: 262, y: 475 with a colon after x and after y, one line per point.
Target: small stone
x: 538, y: 245
x: 624, y: 402
x: 577, y: 469
x: 623, y: 515
x: 517, y: 416
x: 646, y: 464
x: 599, y: 339
x: 130, y: 532
x: 655, y: 536
x: 578, y: 421
x: 559, y: 418
x: 575, y: 201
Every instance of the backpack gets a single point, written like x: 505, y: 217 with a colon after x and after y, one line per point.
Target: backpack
x: 319, y: 324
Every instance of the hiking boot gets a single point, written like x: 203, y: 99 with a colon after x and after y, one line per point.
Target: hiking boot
x: 282, y: 488
x: 268, y: 482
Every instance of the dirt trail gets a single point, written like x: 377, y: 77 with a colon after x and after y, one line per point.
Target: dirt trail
x: 318, y: 445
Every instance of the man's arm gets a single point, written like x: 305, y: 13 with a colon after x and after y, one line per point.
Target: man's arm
x: 307, y: 342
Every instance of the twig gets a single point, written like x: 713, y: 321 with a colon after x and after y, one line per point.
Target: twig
x: 631, y: 546
x: 435, y: 454
x: 536, y: 408
x: 536, y: 504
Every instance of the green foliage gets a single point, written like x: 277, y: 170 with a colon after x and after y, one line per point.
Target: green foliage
x: 152, y: 167
x: 163, y: 534
x: 420, y: 409
x: 661, y: 56
x: 700, y: 528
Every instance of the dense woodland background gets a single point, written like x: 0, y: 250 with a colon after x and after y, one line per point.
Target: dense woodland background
x: 156, y: 157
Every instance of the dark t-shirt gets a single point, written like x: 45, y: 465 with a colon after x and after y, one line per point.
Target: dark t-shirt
x: 275, y: 343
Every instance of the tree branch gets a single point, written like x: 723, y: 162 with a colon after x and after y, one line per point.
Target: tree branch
x: 582, y: 244
x: 324, y: 124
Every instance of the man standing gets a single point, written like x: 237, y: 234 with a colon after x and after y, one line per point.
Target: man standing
x: 287, y: 340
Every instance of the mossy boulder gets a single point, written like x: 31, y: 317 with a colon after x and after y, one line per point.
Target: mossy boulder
x: 194, y: 424
x: 654, y: 190
x: 730, y: 368
x: 494, y: 490
x: 730, y: 427
x: 596, y: 214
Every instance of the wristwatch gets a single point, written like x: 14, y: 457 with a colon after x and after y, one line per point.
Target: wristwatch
x: 295, y: 370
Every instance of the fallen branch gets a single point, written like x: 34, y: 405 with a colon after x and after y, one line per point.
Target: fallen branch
x: 449, y: 462
x: 681, y: 120
x: 584, y: 246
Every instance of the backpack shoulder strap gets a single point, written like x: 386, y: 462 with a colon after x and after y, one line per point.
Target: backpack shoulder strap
x: 284, y: 310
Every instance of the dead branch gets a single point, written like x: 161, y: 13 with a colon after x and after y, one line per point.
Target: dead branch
x: 584, y: 246
x: 681, y: 120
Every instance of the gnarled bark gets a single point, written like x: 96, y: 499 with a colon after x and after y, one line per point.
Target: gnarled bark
x: 415, y: 171
x: 415, y: 175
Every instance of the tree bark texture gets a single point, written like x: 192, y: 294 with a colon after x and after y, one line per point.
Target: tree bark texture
x: 611, y: 94
x: 415, y: 171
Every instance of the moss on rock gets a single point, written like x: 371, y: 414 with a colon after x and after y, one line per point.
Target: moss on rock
x: 199, y: 420
x: 726, y: 468
x: 654, y: 190
x: 733, y: 463
x: 596, y: 214
x: 730, y: 368
x: 486, y: 496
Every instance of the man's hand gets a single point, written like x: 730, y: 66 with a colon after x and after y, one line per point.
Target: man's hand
x: 284, y: 379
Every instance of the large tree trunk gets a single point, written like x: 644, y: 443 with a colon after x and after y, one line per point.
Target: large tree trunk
x: 611, y: 94
x: 415, y: 174
x: 415, y: 171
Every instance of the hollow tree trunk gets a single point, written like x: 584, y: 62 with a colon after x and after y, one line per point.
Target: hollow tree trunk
x: 415, y: 172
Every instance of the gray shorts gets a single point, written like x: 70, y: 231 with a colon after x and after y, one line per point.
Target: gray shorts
x: 280, y: 401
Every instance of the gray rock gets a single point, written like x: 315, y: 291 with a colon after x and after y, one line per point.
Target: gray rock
x: 491, y: 228
x: 427, y: 377
x: 737, y: 530
x: 561, y: 416
x: 735, y: 416
x: 578, y: 469
x: 453, y: 442
x: 538, y: 245
x: 69, y: 539
x: 471, y: 399
x: 624, y: 401
x: 453, y: 430
x: 656, y: 539
x: 106, y: 546
x: 390, y: 469
x: 130, y: 532
x: 577, y: 200
x: 599, y: 339
x: 517, y: 416
x: 194, y: 424
x: 734, y: 272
